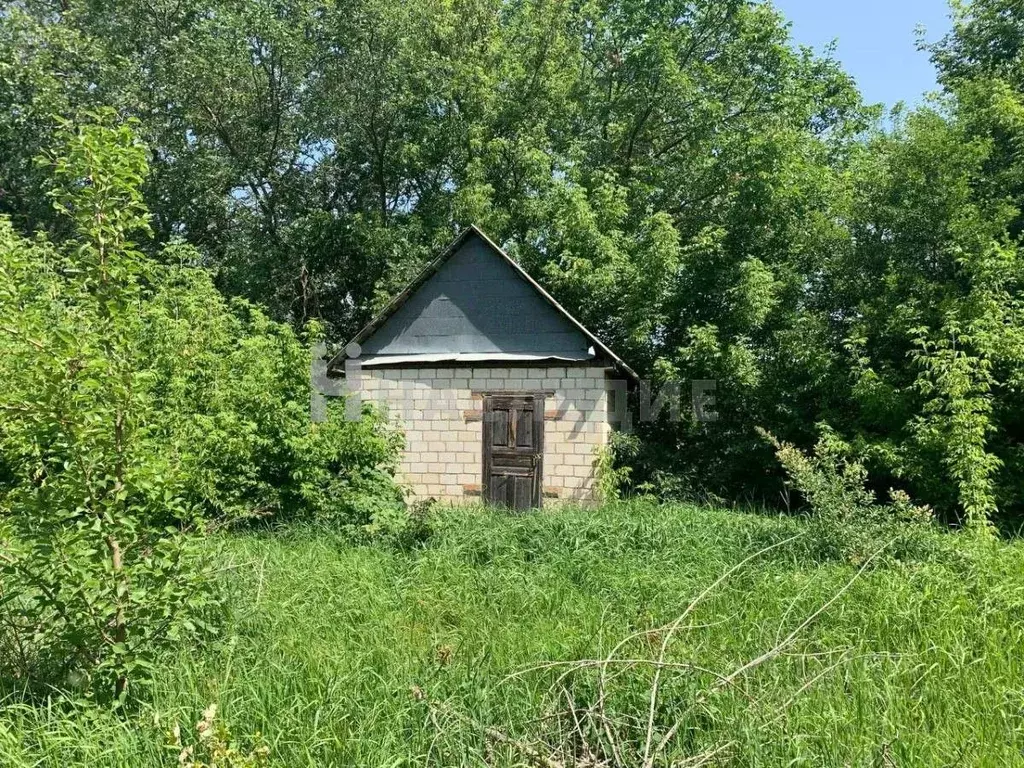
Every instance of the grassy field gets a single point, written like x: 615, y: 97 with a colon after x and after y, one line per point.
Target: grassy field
x: 500, y: 642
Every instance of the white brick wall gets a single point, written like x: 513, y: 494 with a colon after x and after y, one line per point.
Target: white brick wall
x: 441, y: 417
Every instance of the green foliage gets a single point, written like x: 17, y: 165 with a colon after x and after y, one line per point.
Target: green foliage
x: 850, y: 522
x: 935, y: 341
x: 611, y: 468
x: 235, y: 390
x: 344, y: 472
x: 713, y: 201
x: 956, y: 420
x: 140, y: 406
x: 328, y: 640
x: 94, y: 584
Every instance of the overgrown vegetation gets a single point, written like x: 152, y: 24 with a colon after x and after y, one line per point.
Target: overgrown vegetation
x: 848, y: 520
x: 193, y: 192
x: 489, y: 644
x: 234, y: 391
x: 139, y: 408
x: 712, y: 201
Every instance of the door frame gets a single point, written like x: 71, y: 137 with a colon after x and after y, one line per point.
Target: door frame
x: 538, y: 398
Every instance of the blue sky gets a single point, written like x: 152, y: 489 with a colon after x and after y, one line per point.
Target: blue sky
x: 876, y: 41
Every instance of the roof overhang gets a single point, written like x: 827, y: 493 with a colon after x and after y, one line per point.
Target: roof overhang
x: 381, y: 361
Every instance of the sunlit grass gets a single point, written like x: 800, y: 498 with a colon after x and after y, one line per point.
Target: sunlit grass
x: 371, y: 656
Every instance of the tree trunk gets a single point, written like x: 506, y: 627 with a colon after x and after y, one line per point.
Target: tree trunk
x: 120, y: 626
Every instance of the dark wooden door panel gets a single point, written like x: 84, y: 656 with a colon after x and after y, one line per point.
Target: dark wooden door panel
x: 499, y: 427
x: 522, y: 493
x: 524, y: 429
x: 513, y: 450
x: 498, y: 488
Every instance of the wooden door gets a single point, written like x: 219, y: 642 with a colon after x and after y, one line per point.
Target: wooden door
x: 513, y: 450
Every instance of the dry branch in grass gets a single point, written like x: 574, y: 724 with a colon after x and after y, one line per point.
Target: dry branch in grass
x: 649, y: 747
x: 495, y: 734
x: 768, y: 655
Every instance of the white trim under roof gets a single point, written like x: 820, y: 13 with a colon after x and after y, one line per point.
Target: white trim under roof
x: 378, y: 361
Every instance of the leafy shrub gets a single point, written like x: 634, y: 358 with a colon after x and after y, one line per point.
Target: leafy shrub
x: 407, y: 527
x: 138, y: 406
x: 235, y: 390
x: 344, y: 470
x: 94, y: 583
x: 850, y: 522
x: 612, y: 472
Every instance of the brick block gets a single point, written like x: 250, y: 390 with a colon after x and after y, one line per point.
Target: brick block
x: 443, y: 450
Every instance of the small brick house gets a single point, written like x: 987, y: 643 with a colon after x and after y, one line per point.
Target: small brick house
x: 502, y: 394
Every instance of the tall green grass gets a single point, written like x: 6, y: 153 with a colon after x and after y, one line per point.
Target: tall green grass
x: 459, y: 652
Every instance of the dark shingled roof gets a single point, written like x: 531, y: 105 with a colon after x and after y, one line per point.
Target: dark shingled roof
x: 474, y: 303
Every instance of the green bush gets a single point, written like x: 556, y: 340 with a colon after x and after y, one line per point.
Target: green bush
x: 138, y: 407
x: 610, y: 467
x: 850, y: 522
x: 234, y: 388
x: 97, y: 572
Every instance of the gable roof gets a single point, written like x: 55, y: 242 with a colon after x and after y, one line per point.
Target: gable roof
x: 474, y: 303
